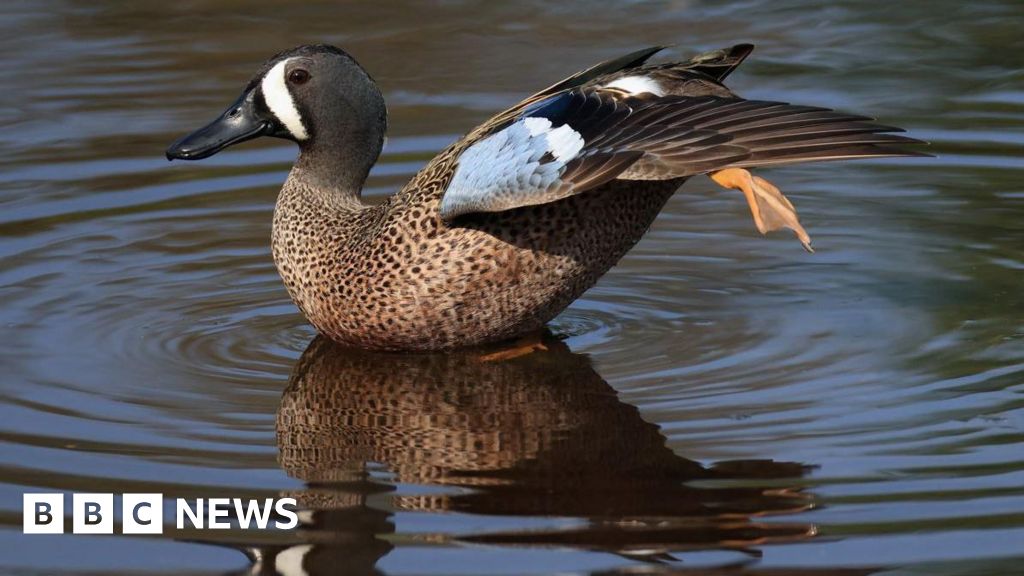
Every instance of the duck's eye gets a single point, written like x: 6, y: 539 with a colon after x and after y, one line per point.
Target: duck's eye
x: 298, y: 76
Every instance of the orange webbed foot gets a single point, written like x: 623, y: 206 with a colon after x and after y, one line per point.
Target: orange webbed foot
x: 770, y: 209
x: 521, y: 347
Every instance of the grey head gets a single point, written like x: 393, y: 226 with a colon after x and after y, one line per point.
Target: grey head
x: 315, y: 95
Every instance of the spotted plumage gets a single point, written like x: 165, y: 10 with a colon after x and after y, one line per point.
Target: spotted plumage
x: 509, y: 225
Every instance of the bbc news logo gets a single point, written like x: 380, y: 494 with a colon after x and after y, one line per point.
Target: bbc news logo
x: 144, y: 513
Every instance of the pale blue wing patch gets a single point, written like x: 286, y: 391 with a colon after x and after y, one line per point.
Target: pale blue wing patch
x: 521, y: 165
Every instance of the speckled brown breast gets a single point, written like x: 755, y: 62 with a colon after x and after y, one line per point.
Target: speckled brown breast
x: 395, y: 277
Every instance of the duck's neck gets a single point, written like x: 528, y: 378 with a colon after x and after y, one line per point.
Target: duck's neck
x: 317, y: 214
x: 335, y: 166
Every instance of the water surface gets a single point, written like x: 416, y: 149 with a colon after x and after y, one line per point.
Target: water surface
x: 718, y: 400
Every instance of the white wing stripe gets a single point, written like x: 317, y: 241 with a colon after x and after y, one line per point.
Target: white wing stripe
x: 637, y: 85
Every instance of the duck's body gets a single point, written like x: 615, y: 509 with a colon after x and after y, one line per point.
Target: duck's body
x: 394, y: 276
x: 506, y: 227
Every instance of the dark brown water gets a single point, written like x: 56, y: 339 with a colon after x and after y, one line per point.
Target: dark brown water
x: 719, y: 400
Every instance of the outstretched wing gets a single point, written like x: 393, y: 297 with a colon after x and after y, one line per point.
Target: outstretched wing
x: 580, y: 138
x: 622, y: 64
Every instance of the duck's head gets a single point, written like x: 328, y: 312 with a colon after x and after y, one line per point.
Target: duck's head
x: 315, y: 95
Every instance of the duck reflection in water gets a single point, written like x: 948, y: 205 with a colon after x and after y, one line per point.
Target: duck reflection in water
x: 536, y: 435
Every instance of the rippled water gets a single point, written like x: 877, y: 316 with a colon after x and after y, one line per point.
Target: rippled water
x: 719, y: 399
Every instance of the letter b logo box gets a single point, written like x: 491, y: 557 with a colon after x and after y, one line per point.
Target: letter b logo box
x: 43, y: 514
x: 93, y: 513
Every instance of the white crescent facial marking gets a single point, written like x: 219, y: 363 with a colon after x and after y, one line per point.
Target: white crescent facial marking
x: 508, y: 168
x: 279, y: 100
x: 637, y: 85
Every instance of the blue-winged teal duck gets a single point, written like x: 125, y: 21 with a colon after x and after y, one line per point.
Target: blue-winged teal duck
x: 506, y: 227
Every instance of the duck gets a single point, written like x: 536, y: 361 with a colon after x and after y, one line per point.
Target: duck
x: 507, y: 226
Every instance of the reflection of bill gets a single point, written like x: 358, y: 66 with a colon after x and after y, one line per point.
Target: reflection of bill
x: 144, y: 513
x: 538, y: 435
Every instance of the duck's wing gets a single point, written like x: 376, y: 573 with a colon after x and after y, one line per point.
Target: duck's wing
x: 714, y: 66
x: 608, y: 68
x: 638, y: 124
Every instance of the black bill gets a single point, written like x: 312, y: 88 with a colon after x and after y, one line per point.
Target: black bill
x: 240, y: 122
